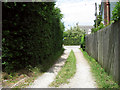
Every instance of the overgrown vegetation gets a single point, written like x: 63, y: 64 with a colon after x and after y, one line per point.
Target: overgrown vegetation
x: 66, y: 72
x: 32, y: 34
x: 82, y: 42
x: 101, y: 25
x: 29, y: 74
x: 97, y: 24
x: 115, y: 17
x: 102, y: 78
x: 73, y: 35
x: 99, y: 18
x: 116, y: 12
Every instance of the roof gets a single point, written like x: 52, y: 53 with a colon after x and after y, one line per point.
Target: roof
x: 86, y: 28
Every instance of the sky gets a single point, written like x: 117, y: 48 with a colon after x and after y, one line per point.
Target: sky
x: 77, y: 11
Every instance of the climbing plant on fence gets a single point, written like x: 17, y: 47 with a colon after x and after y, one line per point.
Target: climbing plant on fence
x: 32, y: 34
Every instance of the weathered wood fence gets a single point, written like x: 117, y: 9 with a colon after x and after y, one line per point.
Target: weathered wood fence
x: 104, y: 46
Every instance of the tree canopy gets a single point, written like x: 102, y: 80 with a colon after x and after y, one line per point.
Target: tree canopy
x: 72, y: 36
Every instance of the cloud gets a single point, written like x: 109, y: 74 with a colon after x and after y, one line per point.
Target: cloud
x: 74, y: 11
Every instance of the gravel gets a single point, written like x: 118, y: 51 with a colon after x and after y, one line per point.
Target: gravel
x: 48, y: 77
x: 82, y: 79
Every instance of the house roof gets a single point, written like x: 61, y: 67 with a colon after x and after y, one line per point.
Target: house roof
x: 86, y: 28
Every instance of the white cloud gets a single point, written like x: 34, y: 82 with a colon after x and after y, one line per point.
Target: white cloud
x: 74, y: 11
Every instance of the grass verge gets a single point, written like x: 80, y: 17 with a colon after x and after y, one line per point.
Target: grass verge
x: 103, y: 80
x: 66, y: 72
x: 30, y: 73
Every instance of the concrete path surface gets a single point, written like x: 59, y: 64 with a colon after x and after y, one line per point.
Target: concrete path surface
x: 48, y: 77
x: 82, y: 78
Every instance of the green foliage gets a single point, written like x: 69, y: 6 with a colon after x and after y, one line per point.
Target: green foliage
x: 98, y: 22
x: 82, y: 39
x: 32, y: 34
x: 66, y: 72
x: 82, y: 42
x: 101, y: 25
x: 72, y: 36
x: 116, y: 12
x: 99, y: 18
x: 103, y: 80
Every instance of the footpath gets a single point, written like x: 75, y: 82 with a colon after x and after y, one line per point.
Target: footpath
x: 82, y: 79
x: 49, y: 76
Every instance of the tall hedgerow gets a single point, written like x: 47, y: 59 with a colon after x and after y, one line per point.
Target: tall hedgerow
x: 82, y: 42
x: 32, y: 34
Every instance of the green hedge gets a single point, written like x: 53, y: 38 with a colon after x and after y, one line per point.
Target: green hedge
x: 82, y: 42
x: 73, y: 35
x: 32, y: 34
x: 71, y: 40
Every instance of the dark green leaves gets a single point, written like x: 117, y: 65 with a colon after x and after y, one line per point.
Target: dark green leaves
x: 24, y: 5
x: 116, y: 12
x: 72, y: 36
x: 32, y: 33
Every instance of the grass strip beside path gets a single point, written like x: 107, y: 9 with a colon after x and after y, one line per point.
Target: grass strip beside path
x: 102, y: 78
x: 68, y: 71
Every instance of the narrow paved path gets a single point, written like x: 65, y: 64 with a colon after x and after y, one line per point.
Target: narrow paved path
x: 48, y: 77
x: 82, y: 79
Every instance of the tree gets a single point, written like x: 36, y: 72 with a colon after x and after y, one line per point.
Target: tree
x: 116, y: 12
x: 99, y: 18
x: 72, y: 36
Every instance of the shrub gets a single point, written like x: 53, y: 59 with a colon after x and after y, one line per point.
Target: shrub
x: 83, y: 42
x: 116, y: 12
x: 32, y: 34
x: 72, y: 36
x: 101, y: 25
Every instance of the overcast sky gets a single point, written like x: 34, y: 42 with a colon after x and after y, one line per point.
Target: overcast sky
x: 81, y: 11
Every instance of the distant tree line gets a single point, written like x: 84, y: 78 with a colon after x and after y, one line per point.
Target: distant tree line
x: 73, y: 35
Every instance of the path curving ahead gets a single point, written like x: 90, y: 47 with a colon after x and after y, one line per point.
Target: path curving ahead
x: 82, y: 79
